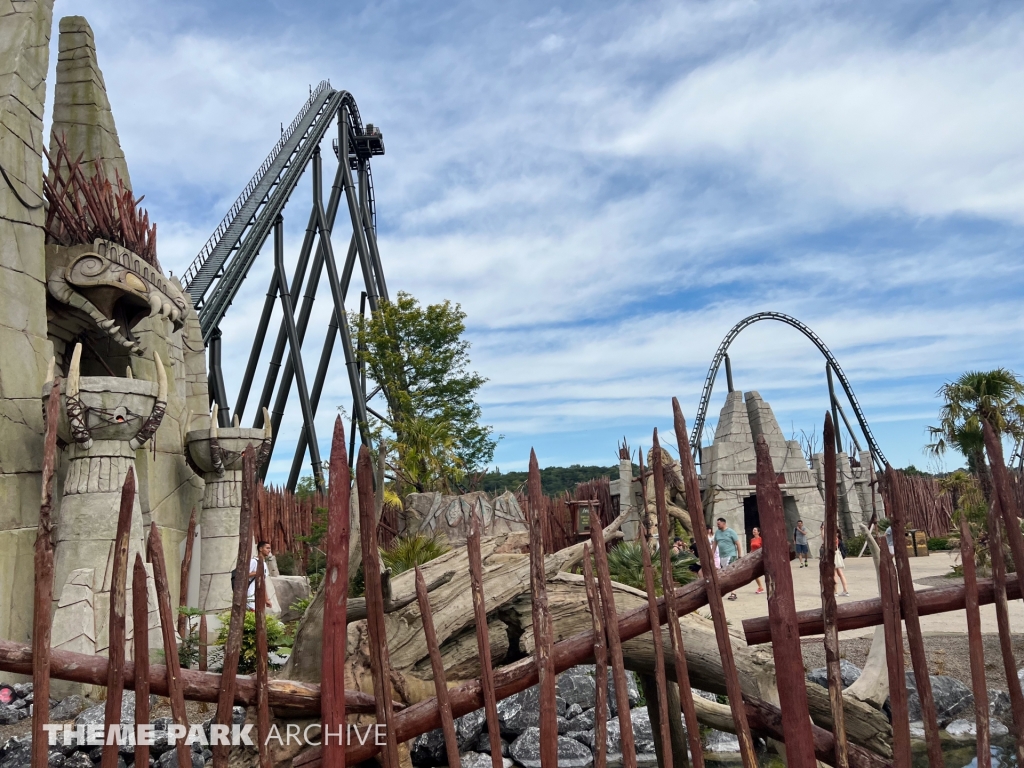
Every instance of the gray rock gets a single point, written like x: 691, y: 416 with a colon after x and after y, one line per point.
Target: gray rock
x: 721, y: 742
x: 583, y: 737
x: 97, y: 715
x: 481, y: 760
x: 78, y: 760
x: 578, y: 687
x: 483, y: 744
x: 632, y: 691
x: 21, y: 690
x: 584, y: 721
x: 999, y: 705
x: 169, y: 759
x: 849, y: 673
x: 16, y: 753
x: 9, y: 715
x: 643, y: 737
x: 468, y: 728
x: 967, y: 730
x: 19, y: 704
x: 525, y: 751
x: 428, y: 749
x: 573, y: 710
x: 522, y: 710
x: 67, y: 708
x: 951, y: 698
x: 917, y: 730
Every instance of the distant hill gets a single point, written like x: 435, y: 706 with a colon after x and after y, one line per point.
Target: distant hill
x: 553, y: 480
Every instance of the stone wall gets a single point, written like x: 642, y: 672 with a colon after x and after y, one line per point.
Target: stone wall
x: 24, y: 349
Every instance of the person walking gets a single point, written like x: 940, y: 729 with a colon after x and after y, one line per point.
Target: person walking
x: 755, y: 544
x: 714, y: 548
x: 728, y: 544
x: 803, y: 551
x: 264, y: 549
x: 840, y: 564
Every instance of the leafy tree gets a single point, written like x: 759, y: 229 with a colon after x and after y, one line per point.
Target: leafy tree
x: 419, y: 358
x: 276, y: 638
x: 993, y: 395
x: 626, y: 566
x: 553, y: 480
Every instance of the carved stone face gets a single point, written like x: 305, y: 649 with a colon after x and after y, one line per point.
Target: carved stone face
x: 114, y: 287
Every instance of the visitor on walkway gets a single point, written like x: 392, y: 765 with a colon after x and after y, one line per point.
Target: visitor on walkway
x: 728, y: 544
x: 755, y: 544
x: 714, y: 548
x: 803, y: 551
x: 840, y: 560
x: 264, y: 549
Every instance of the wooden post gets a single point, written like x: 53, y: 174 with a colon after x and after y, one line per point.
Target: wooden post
x: 600, y: 665
x: 675, y: 634
x: 483, y: 643
x: 163, y: 593
x: 1013, y: 686
x: 380, y: 660
x: 1007, y: 502
x: 203, y: 645
x: 827, y: 570
x: 543, y: 631
x: 444, y: 706
x: 140, y: 628
x: 332, y: 689
x: 908, y: 605
x: 778, y: 578
x: 115, y: 623
x: 977, y: 648
x: 660, y: 678
x: 239, y: 600
x: 262, y: 651
x: 707, y: 565
x: 892, y: 618
x: 186, y: 565
x: 42, y: 605
x: 611, y: 623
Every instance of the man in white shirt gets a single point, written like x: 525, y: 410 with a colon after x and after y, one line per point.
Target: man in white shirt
x: 264, y: 549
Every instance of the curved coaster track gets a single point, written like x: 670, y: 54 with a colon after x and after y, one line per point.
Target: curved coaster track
x: 832, y: 365
x: 216, y: 275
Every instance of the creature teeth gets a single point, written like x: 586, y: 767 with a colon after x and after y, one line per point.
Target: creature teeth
x: 175, y: 314
x: 154, y: 305
x: 114, y: 330
x: 106, y: 325
x: 165, y: 310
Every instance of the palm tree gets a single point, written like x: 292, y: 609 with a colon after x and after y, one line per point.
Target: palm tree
x: 991, y: 395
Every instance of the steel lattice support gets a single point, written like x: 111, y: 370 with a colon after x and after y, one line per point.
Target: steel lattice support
x: 215, y: 277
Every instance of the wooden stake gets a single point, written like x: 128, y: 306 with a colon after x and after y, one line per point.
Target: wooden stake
x: 977, y: 648
x: 668, y: 585
x: 332, y: 690
x: 707, y: 563
x: 262, y: 651
x: 239, y: 600
x: 611, y: 623
x: 827, y: 570
x: 186, y: 565
x: 483, y: 643
x: 163, y: 593
x: 600, y: 664
x: 380, y: 661
x: 543, y: 632
x: 140, y: 627
x: 451, y: 743
x: 115, y: 623
x: 891, y: 615
x: 42, y: 605
x: 778, y: 579
x: 1013, y: 686
x: 203, y: 644
x: 908, y: 605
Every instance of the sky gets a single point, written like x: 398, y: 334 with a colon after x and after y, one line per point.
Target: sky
x: 606, y: 189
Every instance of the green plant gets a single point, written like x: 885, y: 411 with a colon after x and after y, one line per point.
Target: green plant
x: 854, y: 545
x: 247, y: 657
x: 625, y: 564
x: 300, y: 606
x: 188, y: 647
x: 938, y: 543
x: 286, y: 564
x: 409, y: 551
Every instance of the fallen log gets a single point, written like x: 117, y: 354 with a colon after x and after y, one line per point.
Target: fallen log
x: 868, y: 613
x: 196, y: 686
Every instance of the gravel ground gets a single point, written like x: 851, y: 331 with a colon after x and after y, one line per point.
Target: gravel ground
x: 947, y: 655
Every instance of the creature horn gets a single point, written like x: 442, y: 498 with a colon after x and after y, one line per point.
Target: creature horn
x: 50, y: 368
x: 263, y: 455
x: 151, y: 424
x: 216, y: 455
x: 73, y: 404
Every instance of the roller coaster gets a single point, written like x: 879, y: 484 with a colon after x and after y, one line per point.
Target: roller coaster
x: 216, y: 275
x: 831, y: 365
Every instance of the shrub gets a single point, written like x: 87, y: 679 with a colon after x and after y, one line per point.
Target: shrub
x: 409, y: 551
x: 938, y: 543
x: 625, y: 564
x: 247, y: 657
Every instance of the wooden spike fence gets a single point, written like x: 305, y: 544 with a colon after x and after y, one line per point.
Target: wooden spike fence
x: 273, y: 513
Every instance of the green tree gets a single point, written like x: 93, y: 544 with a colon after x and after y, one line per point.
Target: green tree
x: 993, y: 395
x: 420, y: 360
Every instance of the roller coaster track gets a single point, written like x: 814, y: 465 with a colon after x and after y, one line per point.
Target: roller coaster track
x: 709, y: 382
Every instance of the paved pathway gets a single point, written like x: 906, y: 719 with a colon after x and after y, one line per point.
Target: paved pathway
x: 860, y: 574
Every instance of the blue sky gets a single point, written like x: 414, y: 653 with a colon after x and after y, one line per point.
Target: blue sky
x: 607, y: 188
